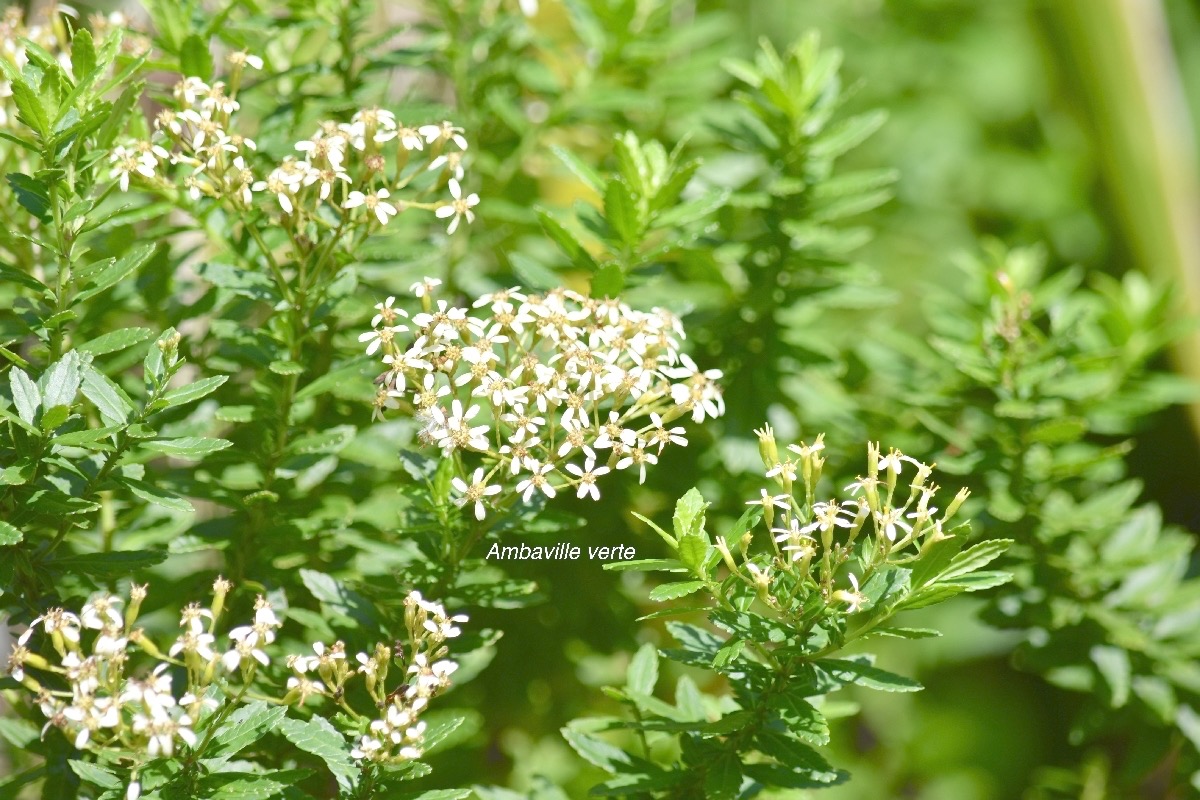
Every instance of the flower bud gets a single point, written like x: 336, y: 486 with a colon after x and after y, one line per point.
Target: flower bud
x: 767, y: 447
x: 221, y: 588
x: 956, y: 503
x: 723, y: 549
x: 136, y: 595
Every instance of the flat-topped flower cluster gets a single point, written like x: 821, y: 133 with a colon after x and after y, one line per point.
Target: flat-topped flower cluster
x: 554, y: 390
x: 106, y: 684
x: 345, y: 174
x: 810, y: 539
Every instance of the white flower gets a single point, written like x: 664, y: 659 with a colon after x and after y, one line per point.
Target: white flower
x: 641, y: 458
x: 445, y: 132
x: 889, y: 521
x: 587, y: 477
x: 424, y: 286
x: 460, y: 207
x: 475, y: 493
x: 538, y: 480
x: 767, y: 501
x: 374, y: 202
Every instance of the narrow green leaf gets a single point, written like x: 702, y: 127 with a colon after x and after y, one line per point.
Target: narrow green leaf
x: 1113, y: 663
x: 974, y: 558
x: 187, y: 447
x: 109, y: 273
x: 25, y: 393
x: 579, y: 169
x: 620, y: 209
x: 642, y: 675
x: 245, y: 726
x: 724, y: 778
x: 83, y: 54
x: 115, y: 341
x: 862, y: 674
x: 670, y: 591
x: 95, y: 774
x: 109, y: 565
x: 157, y: 496
x: 60, y: 383
x: 114, y: 406
x: 193, y: 391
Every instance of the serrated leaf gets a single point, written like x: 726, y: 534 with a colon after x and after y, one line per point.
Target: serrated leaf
x: 863, y: 674
x: 32, y: 194
x: 193, y: 391
x: 329, y: 441
x: 114, y: 271
x: 647, y: 565
x: 689, y: 513
x: 94, y: 774
x: 724, y: 778
x: 9, y: 535
x: 597, y: 751
x: 245, y: 726
x: 285, y: 367
x: 608, y: 281
x: 974, y: 558
x: 25, y: 394
x: 692, y: 552
x: 110, y: 401
x: 109, y: 565
x: 335, y: 596
x: 670, y: 591
x: 60, y: 383
x: 620, y: 209
x: 115, y: 341
x: 83, y: 54
x: 156, y: 496
x: 317, y: 737
x: 187, y: 447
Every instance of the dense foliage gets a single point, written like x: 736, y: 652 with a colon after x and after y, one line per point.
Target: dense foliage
x: 329, y: 329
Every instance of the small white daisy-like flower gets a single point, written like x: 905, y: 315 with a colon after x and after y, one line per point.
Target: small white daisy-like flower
x: 374, y: 202
x: 457, y: 209
x: 475, y: 492
x: 587, y: 476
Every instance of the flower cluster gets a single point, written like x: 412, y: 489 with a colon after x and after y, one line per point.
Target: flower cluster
x: 811, y: 539
x: 554, y: 390
x: 89, y: 682
x: 398, y: 733
x: 345, y: 174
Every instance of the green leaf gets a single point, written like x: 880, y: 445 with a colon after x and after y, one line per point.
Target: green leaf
x: 934, y: 558
x: 245, y: 726
x: 88, y: 437
x: 115, y: 341
x: 597, y: 751
x: 724, y: 778
x: 318, y: 737
x: 31, y: 113
x: 620, y: 209
x: 9, y: 535
x: 95, y: 774
x: 975, y: 557
x: 32, y: 194
x: 187, y: 447
x: 53, y: 417
x: 338, y: 598
x: 579, y: 169
x: 195, y: 59
x: 285, y: 367
x: 330, y: 441
x: 193, y: 391
x: 693, y: 551
x: 642, y: 675
x: 670, y: 591
x: 157, y: 496
x: 608, y: 281
x: 566, y: 241
x: 689, y: 514
x: 18, y: 732
x: 60, y: 383
x: 25, y: 393
x: 1113, y: 663
x: 83, y: 54
x: 109, y: 565
x: 647, y: 565
x: 113, y: 404
x: 863, y: 674
x: 107, y: 274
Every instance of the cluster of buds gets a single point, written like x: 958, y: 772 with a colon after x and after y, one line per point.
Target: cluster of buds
x: 88, y: 679
x: 347, y: 174
x: 811, y: 539
x: 553, y: 390
x: 51, y: 30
